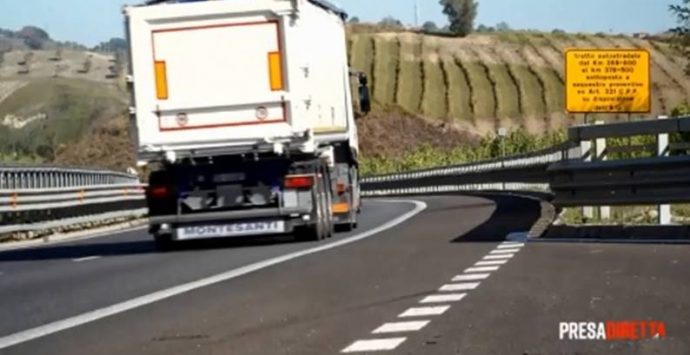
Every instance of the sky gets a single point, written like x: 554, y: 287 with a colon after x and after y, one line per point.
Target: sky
x: 92, y: 21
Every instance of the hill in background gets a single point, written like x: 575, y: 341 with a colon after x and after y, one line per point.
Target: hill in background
x: 63, y: 103
x: 54, y: 94
x: 485, y: 81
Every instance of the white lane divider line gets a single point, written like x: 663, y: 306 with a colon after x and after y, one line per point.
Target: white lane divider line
x: 450, y: 297
x: 491, y: 262
x: 398, y: 327
x: 500, y: 256
x: 481, y: 269
x: 469, y: 280
x: 471, y: 277
x: 87, y: 258
x: 424, y: 311
x: 466, y: 286
x: 361, y: 346
x: 510, y: 246
x: 504, y: 251
x: 92, y: 316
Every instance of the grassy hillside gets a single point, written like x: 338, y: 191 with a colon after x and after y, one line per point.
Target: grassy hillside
x: 41, y: 115
x: 481, y: 82
x: 437, y: 94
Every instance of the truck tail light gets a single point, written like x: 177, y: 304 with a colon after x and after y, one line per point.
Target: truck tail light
x: 299, y: 181
x: 159, y: 192
x: 161, y: 80
x: 275, y: 71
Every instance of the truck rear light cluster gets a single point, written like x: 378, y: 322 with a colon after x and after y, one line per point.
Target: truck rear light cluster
x: 159, y: 192
x: 298, y: 181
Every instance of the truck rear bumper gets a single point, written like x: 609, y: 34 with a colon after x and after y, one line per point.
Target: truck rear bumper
x: 227, y: 216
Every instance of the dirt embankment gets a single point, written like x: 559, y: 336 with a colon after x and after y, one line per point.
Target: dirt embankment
x: 392, y: 133
x: 107, y: 145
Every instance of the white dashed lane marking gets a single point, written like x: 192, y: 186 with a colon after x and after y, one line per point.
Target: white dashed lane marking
x: 509, y: 246
x: 469, y: 280
x: 470, y: 277
x: 481, y: 269
x: 491, y: 262
x: 87, y: 258
x: 424, y: 311
x: 504, y: 251
x: 497, y: 257
x: 374, y: 345
x: 467, y: 286
x: 397, y: 327
x: 451, y: 297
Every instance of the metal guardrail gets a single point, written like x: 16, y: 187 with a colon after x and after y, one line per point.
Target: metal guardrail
x: 525, y: 172
x: 577, y: 172
x: 40, y: 198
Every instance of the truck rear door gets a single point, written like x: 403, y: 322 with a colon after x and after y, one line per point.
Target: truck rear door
x: 214, y: 69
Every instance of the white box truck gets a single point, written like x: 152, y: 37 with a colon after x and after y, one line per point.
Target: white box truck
x: 244, y: 108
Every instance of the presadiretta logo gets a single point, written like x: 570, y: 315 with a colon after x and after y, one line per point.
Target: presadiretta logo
x: 612, y: 330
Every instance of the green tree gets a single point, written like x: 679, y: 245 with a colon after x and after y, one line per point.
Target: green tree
x: 461, y: 15
x: 503, y: 27
x: 390, y: 21
x: 34, y: 37
x: 429, y: 26
x: 682, y: 32
x: 354, y: 20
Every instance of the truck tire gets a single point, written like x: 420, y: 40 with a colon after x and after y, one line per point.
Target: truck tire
x: 318, y: 230
x: 163, y: 242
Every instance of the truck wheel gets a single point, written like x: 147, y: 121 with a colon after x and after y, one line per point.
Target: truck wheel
x: 164, y: 242
x: 330, y: 221
x: 318, y: 230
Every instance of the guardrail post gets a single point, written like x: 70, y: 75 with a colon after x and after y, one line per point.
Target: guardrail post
x: 586, y: 155
x: 663, y: 151
x: 604, y: 211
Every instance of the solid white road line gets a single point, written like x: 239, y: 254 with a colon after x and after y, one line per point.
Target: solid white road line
x: 466, y: 286
x: 51, y: 328
x: 87, y: 258
x: 509, y: 246
x: 397, y: 327
x: 451, y: 297
x: 481, y: 269
x: 499, y: 256
x: 491, y: 262
x: 424, y: 311
x: 504, y: 251
x: 470, y: 277
x: 361, y: 346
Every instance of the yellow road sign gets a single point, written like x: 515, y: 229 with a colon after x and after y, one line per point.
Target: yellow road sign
x: 607, y: 81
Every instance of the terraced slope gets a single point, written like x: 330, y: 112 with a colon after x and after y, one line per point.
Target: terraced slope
x: 485, y: 81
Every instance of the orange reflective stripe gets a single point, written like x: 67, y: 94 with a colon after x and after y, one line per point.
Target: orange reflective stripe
x: 275, y: 70
x: 161, y: 80
x: 341, y: 208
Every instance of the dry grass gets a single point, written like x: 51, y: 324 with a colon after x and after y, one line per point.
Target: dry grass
x: 386, y: 70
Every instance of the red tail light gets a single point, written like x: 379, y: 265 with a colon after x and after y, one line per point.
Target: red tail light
x: 299, y: 181
x: 159, y: 192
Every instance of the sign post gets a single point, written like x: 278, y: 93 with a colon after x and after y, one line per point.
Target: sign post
x: 607, y: 81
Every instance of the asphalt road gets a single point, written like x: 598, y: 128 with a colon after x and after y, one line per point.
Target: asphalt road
x: 442, y: 282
